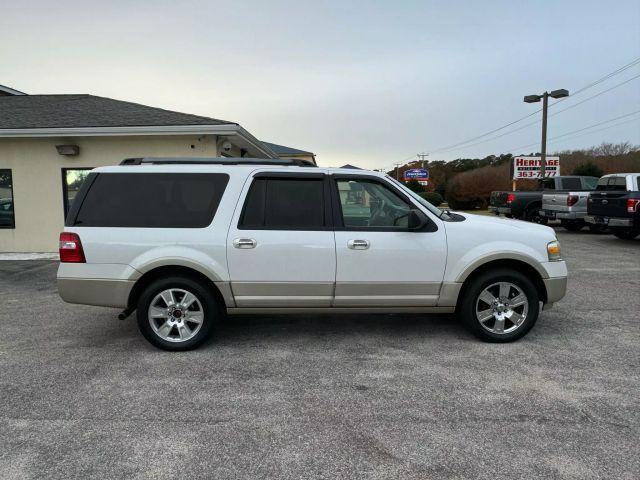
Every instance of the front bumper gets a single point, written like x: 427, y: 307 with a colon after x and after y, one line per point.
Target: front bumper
x: 551, y: 214
x: 556, y: 282
x: 556, y: 288
x: 611, y: 221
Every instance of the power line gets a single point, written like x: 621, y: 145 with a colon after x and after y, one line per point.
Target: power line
x: 579, y: 130
x: 494, y: 138
x: 538, y: 121
x: 606, y: 77
x: 485, y: 134
x: 594, y: 96
x: 598, y: 130
x: 577, y: 92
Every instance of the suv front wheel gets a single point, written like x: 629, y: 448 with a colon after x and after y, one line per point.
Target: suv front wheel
x: 500, y: 305
x: 176, y: 313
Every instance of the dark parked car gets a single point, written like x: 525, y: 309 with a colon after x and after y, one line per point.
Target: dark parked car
x: 616, y: 204
x: 526, y: 205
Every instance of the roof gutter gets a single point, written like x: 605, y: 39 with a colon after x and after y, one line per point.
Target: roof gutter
x: 227, y: 130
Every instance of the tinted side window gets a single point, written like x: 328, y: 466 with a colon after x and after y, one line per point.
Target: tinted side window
x: 618, y: 183
x: 602, y: 183
x: 548, y: 184
x: 284, y: 204
x: 590, y: 183
x: 571, y: 184
x: 152, y: 200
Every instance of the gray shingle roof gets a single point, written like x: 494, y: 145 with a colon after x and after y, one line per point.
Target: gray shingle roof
x: 282, y: 150
x: 60, y: 111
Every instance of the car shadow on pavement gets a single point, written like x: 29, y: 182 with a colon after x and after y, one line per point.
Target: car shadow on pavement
x: 266, y: 328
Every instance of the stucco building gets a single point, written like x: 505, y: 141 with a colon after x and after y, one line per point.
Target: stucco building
x: 48, y: 143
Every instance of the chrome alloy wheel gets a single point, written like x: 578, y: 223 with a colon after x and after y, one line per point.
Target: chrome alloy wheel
x: 175, y: 315
x: 502, y: 308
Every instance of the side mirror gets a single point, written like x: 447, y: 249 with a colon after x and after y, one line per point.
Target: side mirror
x: 416, y: 220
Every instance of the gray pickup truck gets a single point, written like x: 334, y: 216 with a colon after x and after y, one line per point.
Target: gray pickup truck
x: 527, y: 205
x: 616, y: 205
x: 569, y: 207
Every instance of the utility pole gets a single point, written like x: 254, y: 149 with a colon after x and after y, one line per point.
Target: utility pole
x: 397, y: 170
x: 422, y: 156
x: 545, y: 103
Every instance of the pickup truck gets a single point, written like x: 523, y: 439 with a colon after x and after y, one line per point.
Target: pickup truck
x: 526, y: 205
x: 570, y: 208
x: 616, y: 204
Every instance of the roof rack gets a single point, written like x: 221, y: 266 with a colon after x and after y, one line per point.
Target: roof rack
x: 296, y: 162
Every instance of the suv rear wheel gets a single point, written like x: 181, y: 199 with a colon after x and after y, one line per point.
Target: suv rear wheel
x: 176, y: 313
x: 500, y: 305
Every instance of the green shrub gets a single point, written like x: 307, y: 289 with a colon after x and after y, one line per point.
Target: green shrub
x: 588, y: 169
x: 414, y: 186
x: 434, y: 198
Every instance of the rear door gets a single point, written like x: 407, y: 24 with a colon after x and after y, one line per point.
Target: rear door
x: 380, y: 262
x: 280, y: 246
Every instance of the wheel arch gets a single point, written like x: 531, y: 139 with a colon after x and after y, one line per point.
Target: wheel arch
x: 518, y: 265
x: 219, y: 289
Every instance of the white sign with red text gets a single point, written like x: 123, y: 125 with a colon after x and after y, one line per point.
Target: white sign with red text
x: 529, y: 167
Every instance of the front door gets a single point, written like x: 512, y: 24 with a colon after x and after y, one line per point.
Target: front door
x: 380, y: 261
x: 280, y: 247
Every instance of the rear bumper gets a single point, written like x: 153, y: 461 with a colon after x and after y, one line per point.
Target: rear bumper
x: 498, y: 210
x: 612, y: 222
x: 563, y: 215
x: 99, y: 292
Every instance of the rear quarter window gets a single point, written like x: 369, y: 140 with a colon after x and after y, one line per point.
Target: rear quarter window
x: 612, y: 183
x: 152, y: 200
x: 571, y: 184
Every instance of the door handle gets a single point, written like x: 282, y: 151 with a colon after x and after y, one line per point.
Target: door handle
x: 244, y: 243
x: 358, y: 244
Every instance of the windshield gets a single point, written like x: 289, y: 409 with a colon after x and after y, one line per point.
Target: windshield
x: 435, y: 210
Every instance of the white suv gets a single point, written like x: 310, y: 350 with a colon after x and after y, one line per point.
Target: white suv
x: 184, y: 241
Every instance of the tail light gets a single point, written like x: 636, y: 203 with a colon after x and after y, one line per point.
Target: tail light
x: 71, y: 248
x: 632, y: 205
x: 510, y: 198
x: 572, y: 200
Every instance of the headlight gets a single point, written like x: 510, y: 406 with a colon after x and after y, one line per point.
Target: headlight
x: 553, y: 251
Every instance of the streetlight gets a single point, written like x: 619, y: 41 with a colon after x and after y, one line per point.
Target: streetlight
x: 545, y: 101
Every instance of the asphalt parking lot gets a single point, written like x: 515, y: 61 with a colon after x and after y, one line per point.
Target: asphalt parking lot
x: 83, y: 395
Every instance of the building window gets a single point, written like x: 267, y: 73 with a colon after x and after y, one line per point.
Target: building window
x: 7, y: 214
x: 72, y: 179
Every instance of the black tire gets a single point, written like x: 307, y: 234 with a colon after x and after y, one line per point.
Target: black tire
x: 210, y: 309
x: 593, y: 228
x: 532, y: 214
x: 467, y: 305
x: 626, y: 233
x: 572, y: 226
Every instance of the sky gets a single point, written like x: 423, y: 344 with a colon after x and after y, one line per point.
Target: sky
x: 369, y: 83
